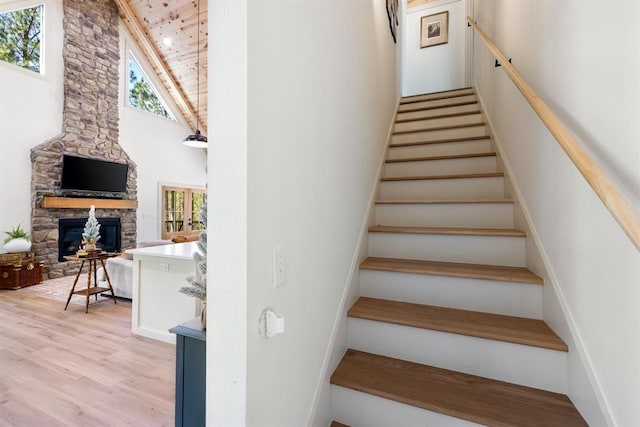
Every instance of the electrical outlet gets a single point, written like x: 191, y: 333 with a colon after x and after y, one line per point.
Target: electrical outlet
x: 279, y: 273
x: 164, y: 266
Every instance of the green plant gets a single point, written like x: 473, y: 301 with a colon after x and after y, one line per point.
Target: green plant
x: 16, y: 233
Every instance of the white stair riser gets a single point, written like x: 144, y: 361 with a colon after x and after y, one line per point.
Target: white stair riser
x: 437, y: 95
x: 436, y: 103
x: 463, y: 188
x: 487, y: 215
x: 438, y: 122
x: 442, y: 149
x: 489, y: 296
x: 425, y: 114
x: 515, y: 363
x: 493, y: 250
x: 436, y: 135
x: 441, y: 167
x: 359, y: 409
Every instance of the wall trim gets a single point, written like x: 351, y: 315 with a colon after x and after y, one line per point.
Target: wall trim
x: 429, y: 5
x: 578, y: 342
x: 355, y: 265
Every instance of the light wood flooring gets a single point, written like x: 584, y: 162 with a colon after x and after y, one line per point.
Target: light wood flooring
x: 68, y: 368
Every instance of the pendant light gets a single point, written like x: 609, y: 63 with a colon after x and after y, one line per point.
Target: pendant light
x: 197, y: 139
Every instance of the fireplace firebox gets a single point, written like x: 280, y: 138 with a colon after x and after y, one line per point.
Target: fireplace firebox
x: 70, y: 235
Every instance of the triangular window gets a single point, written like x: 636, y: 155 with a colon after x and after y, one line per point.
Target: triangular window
x: 142, y: 94
x: 20, y: 37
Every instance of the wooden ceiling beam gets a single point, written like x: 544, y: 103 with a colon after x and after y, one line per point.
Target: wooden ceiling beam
x: 150, y: 51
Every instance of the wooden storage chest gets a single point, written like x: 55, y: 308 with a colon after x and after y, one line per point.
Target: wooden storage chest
x: 18, y: 276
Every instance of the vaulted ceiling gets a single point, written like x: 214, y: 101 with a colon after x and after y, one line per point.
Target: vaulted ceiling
x: 167, y: 33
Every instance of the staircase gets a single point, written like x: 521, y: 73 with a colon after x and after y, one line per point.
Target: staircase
x: 448, y: 329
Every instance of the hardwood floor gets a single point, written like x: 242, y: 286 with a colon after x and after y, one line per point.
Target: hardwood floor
x: 68, y: 368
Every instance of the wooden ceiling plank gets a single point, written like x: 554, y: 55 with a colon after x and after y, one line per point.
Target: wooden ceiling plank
x: 150, y: 51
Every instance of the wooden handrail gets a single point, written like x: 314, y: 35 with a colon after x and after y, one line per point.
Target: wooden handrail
x: 624, y: 214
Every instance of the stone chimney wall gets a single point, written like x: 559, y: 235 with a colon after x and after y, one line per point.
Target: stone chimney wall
x: 89, y: 127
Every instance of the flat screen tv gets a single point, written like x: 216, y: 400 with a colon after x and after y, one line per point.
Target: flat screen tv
x: 90, y: 175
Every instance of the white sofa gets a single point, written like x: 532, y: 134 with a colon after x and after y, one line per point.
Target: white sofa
x: 120, y: 270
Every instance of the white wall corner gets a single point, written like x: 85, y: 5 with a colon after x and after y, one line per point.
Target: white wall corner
x: 320, y: 411
x: 444, y: 64
x: 569, y: 331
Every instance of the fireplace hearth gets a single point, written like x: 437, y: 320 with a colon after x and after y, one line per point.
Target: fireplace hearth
x: 70, y: 235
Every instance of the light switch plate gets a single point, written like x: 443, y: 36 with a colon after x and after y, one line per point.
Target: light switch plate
x: 279, y: 273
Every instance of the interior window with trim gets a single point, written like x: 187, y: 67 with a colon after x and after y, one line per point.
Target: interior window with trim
x: 181, y: 211
x: 21, y: 37
x: 142, y: 94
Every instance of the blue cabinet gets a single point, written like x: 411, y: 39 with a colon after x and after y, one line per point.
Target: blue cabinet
x: 191, y: 358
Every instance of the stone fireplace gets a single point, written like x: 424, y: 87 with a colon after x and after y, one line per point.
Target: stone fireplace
x: 89, y: 129
x: 70, y: 235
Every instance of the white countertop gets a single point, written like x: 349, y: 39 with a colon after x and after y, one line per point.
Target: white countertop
x: 181, y: 251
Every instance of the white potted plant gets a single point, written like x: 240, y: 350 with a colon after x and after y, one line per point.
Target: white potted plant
x: 18, y: 240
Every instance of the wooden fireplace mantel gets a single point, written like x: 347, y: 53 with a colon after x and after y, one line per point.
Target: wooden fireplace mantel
x: 53, y: 202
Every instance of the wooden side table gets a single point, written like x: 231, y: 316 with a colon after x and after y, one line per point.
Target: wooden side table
x: 93, y: 267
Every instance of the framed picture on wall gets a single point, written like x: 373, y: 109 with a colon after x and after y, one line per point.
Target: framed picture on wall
x: 434, y: 29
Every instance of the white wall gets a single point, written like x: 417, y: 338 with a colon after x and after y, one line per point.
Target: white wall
x: 227, y: 321
x: 31, y: 113
x: 564, y: 49
x: 155, y: 144
x: 321, y: 92
x: 435, y: 68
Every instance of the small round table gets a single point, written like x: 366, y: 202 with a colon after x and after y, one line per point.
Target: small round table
x: 93, y: 267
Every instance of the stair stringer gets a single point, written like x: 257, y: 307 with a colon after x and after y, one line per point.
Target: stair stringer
x: 556, y: 313
x: 320, y: 412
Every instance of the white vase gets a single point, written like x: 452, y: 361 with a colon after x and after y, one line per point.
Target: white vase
x: 17, y: 245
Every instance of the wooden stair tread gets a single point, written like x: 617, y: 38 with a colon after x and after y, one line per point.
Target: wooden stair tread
x: 452, y: 269
x: 499, y: 327
x: 337, y: 424
x: 440, y: 141
x: 433, y: 107
x: 454, y: 176
x: 453, y: 93
x: 447, y: 157
x: 438, y: 116
x: 465, y: 396
x: 459, y: 231
x: 441, y: 201
x: 443, y: 127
